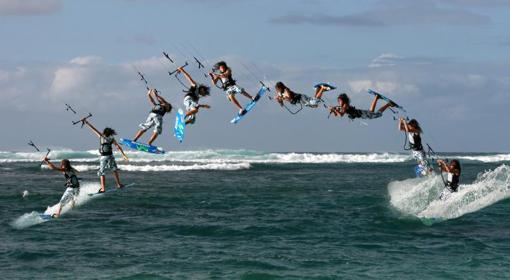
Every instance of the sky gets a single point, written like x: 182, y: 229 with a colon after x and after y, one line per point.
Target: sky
x: 445, y: 61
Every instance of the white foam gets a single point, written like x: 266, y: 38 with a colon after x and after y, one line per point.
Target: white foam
x: 34, y: 218
x: 419, y: 197
x: 165, y: 167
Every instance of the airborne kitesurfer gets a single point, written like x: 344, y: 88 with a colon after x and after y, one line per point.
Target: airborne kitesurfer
x: 345, y: 108
x: 228, y: 84
x: 193, y: 94
x: 413, y: 132
x: 283, y: 93
x: 155, y: 118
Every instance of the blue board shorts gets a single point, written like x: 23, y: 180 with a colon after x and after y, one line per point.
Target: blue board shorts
x: 106, y: 162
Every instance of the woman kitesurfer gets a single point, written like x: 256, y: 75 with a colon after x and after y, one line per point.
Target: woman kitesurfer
x: 413, y: 130
x: 107, y: 160
x: 228, y: 84
x: 72, y: 183
x: 155, y: 118
x: 453, y: 171
x: 345, y: 107
x: 283, y: 93
x: 193, y: 94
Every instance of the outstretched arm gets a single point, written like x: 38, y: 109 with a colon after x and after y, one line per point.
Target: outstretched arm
x: 89, y: 125
x: 149, y: 94
x: 188, y: 76
x: 51, y: 165
x: 121, y: 150
x: 402, y: 125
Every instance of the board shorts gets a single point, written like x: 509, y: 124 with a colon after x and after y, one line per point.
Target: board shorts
x: 368, y: 115
x: 190, y: 106
x: 69, y: 195
x: 310, y: 102
x: 233, y: 90
x: 106, y: 162
x: 153, y: 120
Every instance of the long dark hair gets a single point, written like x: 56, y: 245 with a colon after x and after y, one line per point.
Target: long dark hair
x: 219, y: 64
x: 66, y: 164
x: 345, y: 99
x: 414, y: 123
x: 280, y: 86
x: 456, y: 164
x: 109, y: 132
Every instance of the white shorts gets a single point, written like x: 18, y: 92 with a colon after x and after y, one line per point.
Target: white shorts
x: 106, y: 162
x: 153, y: 120
x: 69, y: 195
x: 233, y: 90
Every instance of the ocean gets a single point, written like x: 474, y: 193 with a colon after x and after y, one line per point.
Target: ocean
x: 237, y: 214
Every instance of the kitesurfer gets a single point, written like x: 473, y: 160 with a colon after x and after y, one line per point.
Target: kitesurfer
x: 228, y: 84
x: 72, y: 183
x: 193, y: 94
x: 345, y: 107
x: 283, y: 93
x: 107, y: 160
x: 155, y: 118
x: 453, y: 171
x: 413, y: 131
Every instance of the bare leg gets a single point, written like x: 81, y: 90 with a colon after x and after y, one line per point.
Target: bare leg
x: 102, y: 179
x: 153, y: 137
x: 386, y: 106
x: 318, y: 93
x: 138, y: 135
x: 247, y: 95
x: 117, y: 178
x: 374, y: 103
x: 59, y: 210
x: 233, y: 99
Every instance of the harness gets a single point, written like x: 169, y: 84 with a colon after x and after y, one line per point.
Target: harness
x: 227, y: 82
x: 72, y: 181
x: 414, y: 140
x: 105, y: 149
x: 453, y: 181
x: 159, y: 110
x: 353, y: 113
x: 192, y: 92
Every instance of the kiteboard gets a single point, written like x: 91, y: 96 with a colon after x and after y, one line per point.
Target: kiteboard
x: 111, y: 190
x: 250, y: 105
x: 141, y: 146
x: 180, y: 124
x: 331, y: 87
x: 386, y: 99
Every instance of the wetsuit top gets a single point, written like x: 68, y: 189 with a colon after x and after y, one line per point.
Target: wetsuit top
x: 71, y: 180
x: 415, y: 141
x: 158, y: 110
x: 453, y: 181
x: 353, y: 113
x: 106, y: 145
x: 227, y: 82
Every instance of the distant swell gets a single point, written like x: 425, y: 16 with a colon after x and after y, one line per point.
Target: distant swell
x: 160, y: 168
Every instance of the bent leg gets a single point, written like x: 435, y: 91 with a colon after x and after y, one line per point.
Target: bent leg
x: 374, y: 103
x: 233, y: 99
x: 153, y: 138
x: 386, y: 106
x: 138, y: 135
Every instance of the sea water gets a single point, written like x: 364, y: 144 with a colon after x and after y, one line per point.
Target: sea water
x: 224, y: 214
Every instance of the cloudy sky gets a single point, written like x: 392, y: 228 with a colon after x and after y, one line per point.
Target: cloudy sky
x: 446, y: 61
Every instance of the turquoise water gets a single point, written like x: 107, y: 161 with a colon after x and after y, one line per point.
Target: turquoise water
x: 254, y: 215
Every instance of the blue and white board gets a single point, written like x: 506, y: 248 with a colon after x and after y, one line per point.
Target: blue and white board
x: 141, y: 146
x: 180, y: 124
x: 111, y: 190
x: 331, y: 87
x: 386, y: 99
x: 250, y: 105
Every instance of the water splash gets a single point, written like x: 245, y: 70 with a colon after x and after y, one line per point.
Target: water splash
x: 420, y: 197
